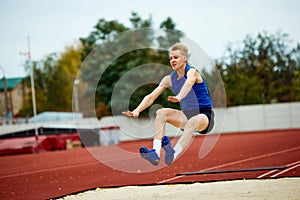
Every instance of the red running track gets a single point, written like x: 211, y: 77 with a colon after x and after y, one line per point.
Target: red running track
x: 55, y: 174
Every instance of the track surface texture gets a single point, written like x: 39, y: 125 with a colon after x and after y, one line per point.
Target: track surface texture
x: 56, y: 174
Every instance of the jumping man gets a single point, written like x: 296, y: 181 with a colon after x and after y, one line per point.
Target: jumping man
x: 191, y: 91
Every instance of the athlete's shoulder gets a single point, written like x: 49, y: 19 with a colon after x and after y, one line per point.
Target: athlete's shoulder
x: 190, y: 70
x: 189, y: 67
x: 166, y: 81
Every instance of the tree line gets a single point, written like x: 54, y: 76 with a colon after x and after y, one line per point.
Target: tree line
x: 263, y: 68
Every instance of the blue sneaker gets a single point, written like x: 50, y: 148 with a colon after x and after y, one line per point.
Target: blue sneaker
x: 167, y: 146
x: 149, y: 155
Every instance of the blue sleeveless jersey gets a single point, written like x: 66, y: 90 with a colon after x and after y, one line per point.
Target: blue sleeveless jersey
x: 197, y: 98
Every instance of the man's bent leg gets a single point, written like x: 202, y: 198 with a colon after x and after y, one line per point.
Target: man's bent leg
x: 167, y: 115
x: 163, y: 116
x: 199, y: 122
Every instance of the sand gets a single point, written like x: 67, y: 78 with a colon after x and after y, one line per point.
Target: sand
x: 285, y: 188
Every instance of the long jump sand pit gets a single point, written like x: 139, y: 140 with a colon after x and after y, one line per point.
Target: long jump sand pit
x: 284, y: 188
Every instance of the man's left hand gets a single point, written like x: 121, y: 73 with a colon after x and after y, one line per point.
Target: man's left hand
x: 174, y: 99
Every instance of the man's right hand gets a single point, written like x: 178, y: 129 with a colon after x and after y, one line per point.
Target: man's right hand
x: 131, y: 113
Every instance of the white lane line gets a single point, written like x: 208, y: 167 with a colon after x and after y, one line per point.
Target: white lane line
x: 294, y: 163
x: 265, y: 174
x: 273, y: 171
x: 171, y: 179
x: 237, y: 162
x: 286, y: 170
x: 48, y: 170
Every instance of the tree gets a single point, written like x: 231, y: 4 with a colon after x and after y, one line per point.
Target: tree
x: 53, y: 78
x: 60, y: 84
x: 108, y: 56
x: 42, y: 71
x: 54, y: 75
x: 263, y: 70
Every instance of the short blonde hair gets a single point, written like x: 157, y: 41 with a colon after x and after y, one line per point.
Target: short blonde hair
x: 180, y: 47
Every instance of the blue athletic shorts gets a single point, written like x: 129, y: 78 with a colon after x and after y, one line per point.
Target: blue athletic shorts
x: 208, y: 112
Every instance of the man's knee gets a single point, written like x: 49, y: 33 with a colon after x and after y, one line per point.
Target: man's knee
x: 191, y: 125
x: 198, y: 123
x: 163, y: 113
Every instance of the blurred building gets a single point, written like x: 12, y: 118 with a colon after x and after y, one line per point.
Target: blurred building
x: 14, y: 93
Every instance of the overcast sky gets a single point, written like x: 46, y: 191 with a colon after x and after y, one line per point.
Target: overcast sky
x: 213, y: 24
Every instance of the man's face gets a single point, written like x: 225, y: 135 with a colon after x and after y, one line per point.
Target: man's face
x: 177, y: 60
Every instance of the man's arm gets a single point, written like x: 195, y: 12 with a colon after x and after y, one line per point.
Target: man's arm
x: 150, y: 98
x: 187, y: 86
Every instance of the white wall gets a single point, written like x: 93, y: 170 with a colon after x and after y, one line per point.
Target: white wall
x: 260, y: 117
x: 228, y: 120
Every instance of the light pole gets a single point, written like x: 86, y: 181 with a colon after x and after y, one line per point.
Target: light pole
x: 31, y: 83
x: 5, y: 91
x: 75, y: 95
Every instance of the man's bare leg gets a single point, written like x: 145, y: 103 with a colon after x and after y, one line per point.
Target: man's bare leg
x: 199, y: 122
x: 163, y: 116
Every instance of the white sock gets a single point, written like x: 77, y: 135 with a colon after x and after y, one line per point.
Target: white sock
x: 157, y: 146
x: 178, y: 150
